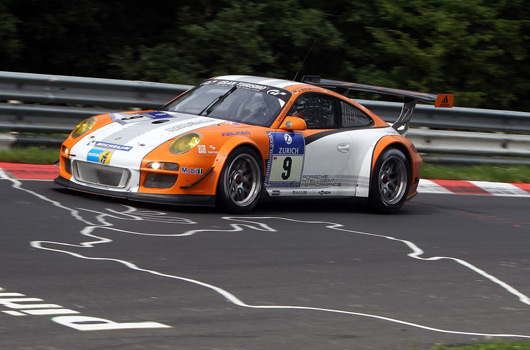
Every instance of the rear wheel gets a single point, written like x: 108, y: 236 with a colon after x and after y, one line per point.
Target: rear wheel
x: 240, y: 184
x: 390, y: 181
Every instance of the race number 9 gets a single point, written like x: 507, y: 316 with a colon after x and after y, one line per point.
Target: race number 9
x: 286, y: 168
x: 287, y: 164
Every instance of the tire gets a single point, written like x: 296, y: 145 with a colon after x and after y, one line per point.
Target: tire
x: 390, y: 181
x: 240, y: 185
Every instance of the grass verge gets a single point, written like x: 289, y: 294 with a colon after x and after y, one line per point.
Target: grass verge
x: 488, y: 346
x: 494, y: 173
x: 30, y: 155
x: 483, y: 172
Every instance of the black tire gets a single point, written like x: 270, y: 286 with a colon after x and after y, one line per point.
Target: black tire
x: 390, y: 181
x: 241, y: 182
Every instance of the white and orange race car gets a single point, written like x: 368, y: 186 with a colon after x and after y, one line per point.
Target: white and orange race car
x: 233, y: 139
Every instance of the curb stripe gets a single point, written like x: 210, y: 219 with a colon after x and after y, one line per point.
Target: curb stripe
x: 524, y: 187
x: 500, y: 189
x: 474, y: 188
x: 30, y: 171
x: 462, y: 187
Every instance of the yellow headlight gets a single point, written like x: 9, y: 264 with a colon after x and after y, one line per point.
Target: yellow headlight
x: 83, y: 127
x: 184, y: 143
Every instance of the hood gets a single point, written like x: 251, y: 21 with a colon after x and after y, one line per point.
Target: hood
x: 150, y: 129
x: 130, y: 137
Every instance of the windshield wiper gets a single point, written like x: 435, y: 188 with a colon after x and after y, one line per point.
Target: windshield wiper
x: 217, y: 102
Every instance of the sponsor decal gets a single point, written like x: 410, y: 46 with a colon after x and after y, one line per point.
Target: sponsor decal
x: 159, y: 115
x: 286, y: 160
x: 113, y: 146
x: 212, y: 150
x: 193, y: 171
x: 281, y: 94
x: 322, y: 193
x: 20, y: 305
x: 328, y: 180
x: 289, y: 150
x: 276, y: 192
x: 231, y: 123
x: 300, y: 192
x: 444, y: 101
x: 186, y: 125
x: 250, y: 86
x: 99, y: 156
x: 125, y: 118
x: 202, y: 149
x: 276, y: 92
x: 235, y: 133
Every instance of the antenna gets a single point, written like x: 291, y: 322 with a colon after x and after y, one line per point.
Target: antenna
x: 305, y: 58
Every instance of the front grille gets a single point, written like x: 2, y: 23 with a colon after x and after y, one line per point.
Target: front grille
x: 100, y: 174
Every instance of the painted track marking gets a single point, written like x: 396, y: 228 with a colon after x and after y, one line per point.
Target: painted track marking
x: 240, y: 224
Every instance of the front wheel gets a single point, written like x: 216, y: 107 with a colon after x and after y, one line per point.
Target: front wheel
x: 240, y: 184
x: 390, y: 181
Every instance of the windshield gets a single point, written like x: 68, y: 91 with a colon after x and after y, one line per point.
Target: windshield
x: 234, y: 101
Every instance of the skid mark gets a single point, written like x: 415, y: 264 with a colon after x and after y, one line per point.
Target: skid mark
x: 238, y: 224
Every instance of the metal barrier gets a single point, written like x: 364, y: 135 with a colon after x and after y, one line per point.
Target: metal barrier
x: 55, y: 104
x: 56, y: 99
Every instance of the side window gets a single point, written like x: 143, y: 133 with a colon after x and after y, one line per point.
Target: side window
x: 352, y: 116
x: 318, y: 110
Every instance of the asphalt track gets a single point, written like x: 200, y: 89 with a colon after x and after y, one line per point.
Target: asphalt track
x: 85, y: 272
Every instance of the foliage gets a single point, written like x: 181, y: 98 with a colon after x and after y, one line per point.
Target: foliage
x: 477, y: 49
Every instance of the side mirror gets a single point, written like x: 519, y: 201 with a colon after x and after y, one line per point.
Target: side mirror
x: 293, y: 123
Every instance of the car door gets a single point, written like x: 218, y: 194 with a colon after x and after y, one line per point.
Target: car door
x: 312, y: 162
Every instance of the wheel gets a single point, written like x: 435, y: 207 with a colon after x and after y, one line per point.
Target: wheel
x: 240, y: 184
x: 390, y: 181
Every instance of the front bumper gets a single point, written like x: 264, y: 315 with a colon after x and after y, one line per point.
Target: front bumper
x: 175, y: 199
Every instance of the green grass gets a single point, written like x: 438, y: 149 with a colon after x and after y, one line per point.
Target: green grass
x: 30, y: 155
x: 483, y: 172
x: 488, y: 346
x: 495, y: 173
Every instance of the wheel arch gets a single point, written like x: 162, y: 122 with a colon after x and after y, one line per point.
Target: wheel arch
x: 229, y: 147
x: 409, y: 150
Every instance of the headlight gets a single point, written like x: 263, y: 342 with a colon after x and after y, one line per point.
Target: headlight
x: 184, y: 143
x: 83, y: 127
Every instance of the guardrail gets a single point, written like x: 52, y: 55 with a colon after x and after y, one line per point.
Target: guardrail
x: 55, y: 104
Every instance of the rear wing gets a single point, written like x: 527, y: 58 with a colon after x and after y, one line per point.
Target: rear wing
x: 410, y: 97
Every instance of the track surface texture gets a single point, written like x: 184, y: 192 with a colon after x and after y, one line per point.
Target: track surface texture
x: 86, y: 272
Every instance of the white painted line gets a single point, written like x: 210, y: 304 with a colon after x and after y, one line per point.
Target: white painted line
x: 14, y: 313
x: 241, y: 224
x: 46, y: 312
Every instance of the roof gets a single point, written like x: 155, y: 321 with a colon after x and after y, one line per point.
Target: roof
x: 277, y: 83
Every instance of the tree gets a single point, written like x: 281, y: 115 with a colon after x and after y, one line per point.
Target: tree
x: 9, y: 42
x: 477, y: 49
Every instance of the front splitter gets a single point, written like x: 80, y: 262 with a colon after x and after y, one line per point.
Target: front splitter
x: 173, y: 199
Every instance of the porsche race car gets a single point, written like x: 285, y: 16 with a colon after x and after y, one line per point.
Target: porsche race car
x: 233, y: 139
